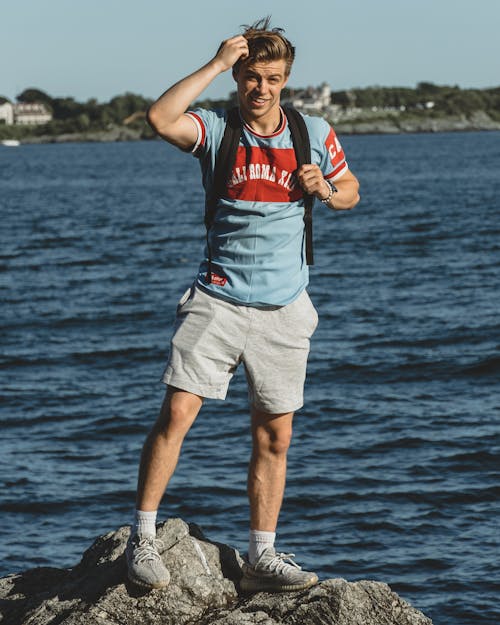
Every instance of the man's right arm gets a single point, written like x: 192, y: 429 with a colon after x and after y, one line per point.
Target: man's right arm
x: 167, y: 115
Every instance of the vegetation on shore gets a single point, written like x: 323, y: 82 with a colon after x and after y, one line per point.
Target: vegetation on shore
x: 359, y: 105
x: 70, y: 116
x: 446, y: 100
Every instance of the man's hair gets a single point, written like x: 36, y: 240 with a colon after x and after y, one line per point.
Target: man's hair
x: 266, y: 44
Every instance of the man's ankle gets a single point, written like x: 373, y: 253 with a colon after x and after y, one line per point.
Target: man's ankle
x: 145, y: 523
x: 259, y: 541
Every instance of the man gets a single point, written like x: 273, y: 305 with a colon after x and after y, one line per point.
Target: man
x: 249, y: 305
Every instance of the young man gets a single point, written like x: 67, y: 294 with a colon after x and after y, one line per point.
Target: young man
x: 252, y: 306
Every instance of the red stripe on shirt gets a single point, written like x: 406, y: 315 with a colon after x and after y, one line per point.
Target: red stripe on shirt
x: 264, y: 175
x: 202, y: 127
x: 340, y: 171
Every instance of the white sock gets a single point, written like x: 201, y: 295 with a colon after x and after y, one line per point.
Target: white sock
x: 145, y: 523
x: 258, y: 543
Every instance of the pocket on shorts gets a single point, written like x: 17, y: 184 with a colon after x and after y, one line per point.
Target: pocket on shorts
x: 312, y: 315
x: 303, y: 314
x: 185, y: 298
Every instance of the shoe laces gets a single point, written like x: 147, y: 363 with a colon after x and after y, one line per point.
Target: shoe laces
x: 146, y: 550
x: 281, y: 561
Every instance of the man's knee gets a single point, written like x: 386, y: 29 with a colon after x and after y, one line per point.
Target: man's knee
x: 273, y: 434
x: 178, y: 412
x: 280, y: 442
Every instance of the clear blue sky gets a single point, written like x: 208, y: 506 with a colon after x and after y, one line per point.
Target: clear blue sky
x: 102, y: 48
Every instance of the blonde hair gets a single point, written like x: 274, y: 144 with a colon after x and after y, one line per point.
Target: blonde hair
x: 267, y: 44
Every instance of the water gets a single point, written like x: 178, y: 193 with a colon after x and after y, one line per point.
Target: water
x: 393, y: 473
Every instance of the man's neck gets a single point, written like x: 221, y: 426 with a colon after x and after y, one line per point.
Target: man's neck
x: 265, y: 125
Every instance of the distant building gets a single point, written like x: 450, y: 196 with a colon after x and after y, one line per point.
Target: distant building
x: 7, y: 113
x: 31, y: 114
x: 24, y: 114
x: 312, y: 99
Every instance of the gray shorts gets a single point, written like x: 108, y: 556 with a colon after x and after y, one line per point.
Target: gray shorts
x: 212, y: 337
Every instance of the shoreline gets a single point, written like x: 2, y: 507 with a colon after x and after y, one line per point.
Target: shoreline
x: 478, y: 121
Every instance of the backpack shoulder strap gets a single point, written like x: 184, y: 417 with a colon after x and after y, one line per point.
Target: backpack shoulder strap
x: 224, y: 161
x: 302, y: 147
x: 300, y: 135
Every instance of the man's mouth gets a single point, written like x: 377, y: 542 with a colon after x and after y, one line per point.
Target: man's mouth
x: 258, y: 101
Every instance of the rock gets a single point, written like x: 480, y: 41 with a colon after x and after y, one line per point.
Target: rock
x: 203, y: 591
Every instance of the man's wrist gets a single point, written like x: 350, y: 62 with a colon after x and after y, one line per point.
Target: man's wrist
x: 217, y: 66
x: 331, y: 191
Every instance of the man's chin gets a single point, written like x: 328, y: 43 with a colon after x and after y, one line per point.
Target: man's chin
x: 258, y: 110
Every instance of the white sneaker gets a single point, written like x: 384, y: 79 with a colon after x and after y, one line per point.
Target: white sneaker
x: 145, y: 566
x: 275, y: 572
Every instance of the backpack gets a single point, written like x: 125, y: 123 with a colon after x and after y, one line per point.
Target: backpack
x: 226, y: 157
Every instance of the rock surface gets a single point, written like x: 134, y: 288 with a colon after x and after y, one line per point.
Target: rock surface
x: 203, y: 591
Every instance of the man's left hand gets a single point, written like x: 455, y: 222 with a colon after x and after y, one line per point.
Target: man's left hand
x: 311, y: 180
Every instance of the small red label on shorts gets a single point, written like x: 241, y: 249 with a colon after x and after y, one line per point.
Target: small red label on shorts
x: 218, y: 280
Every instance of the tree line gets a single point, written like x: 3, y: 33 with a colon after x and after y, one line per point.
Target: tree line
x: 130, y: 109
x: 71, y: 116
x: 441, y: 99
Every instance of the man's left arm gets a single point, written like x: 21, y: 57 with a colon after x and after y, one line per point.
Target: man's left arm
x: 346, y: 195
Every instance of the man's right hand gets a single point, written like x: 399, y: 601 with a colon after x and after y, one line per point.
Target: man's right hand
x: 166, y: 116
x: 230, y: 51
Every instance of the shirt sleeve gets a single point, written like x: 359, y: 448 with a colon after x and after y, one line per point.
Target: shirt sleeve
x: 210, y: 125
x: 202, y: 131
x: 326, y: 150
x: 335, y: 161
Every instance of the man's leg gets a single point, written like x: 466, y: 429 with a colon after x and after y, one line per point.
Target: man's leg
x: 163, y: 445
x: 158, y: 461
x: 271, y: 436
x: 267, y: 570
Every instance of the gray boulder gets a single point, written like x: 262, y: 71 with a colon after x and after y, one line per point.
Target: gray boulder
x: 203, y: 591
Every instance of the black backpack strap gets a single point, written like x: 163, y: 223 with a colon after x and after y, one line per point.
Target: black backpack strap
x: 302, y: 147
x: 224, y: 162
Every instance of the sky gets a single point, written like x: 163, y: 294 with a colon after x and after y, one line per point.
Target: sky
x: 102, y: 48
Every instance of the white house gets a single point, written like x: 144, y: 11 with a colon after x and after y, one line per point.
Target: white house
x: 31, y: 114
x: 7, y: 113
x: 312, y: 99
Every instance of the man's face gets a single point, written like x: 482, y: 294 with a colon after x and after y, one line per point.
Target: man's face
x: 259, y: 87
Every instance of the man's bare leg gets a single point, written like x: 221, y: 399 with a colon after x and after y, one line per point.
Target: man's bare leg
x: 268, y: 570
x: 158, y: 461
x: 163, y: 445
x: 271, y: 436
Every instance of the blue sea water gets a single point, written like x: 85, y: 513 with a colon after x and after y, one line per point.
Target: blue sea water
x: 393, y: 473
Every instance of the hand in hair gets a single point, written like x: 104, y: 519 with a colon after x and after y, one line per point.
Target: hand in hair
x: 230, y: 51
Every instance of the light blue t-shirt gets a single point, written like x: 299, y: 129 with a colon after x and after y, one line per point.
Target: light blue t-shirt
x: 257, y: 240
